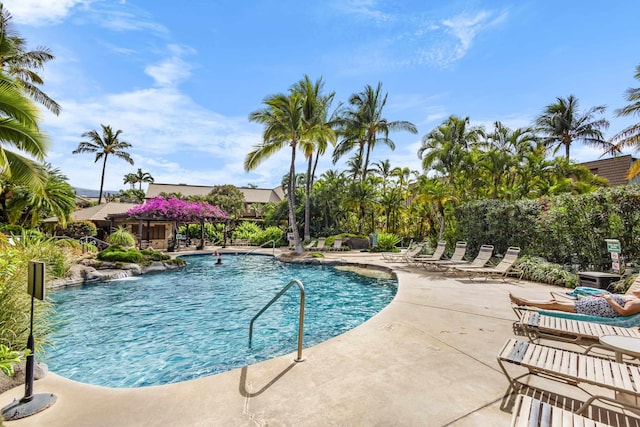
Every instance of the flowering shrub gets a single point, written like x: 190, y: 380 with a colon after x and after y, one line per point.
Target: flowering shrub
x: 175, y: 209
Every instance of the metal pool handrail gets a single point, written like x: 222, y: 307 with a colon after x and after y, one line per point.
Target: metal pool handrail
x: 301, y: 321
x: 273, y: 243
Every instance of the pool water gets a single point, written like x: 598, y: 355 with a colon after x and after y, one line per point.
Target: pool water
x: 179, y: 325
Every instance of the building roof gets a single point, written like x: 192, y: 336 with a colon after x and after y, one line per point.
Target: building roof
x: 251, y: 195
x: 613, y: 169
x: 97, y: 213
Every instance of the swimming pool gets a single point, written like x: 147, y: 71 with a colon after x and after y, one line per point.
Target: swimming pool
x: 179, y: 325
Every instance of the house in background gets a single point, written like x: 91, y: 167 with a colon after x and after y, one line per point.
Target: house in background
x: 613, y: 169
x: 253, y: 197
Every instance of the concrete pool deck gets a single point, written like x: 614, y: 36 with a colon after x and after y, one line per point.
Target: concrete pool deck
x: 427, y: 359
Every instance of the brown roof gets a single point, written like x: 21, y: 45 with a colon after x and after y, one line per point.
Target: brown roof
x: 97, y: 213
x: 613, y: 169
x: 251, y: 195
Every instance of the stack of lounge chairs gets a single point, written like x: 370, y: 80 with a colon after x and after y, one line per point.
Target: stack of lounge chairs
x: 481, y: 260
x: 505, y: 268
x: 456, y: 258
x: 404, y: 257
x: 606, y: 377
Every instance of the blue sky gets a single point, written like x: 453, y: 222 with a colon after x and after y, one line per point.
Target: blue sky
x: 180, y: 78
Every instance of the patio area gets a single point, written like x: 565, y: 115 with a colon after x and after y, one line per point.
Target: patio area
x: 427, y: 359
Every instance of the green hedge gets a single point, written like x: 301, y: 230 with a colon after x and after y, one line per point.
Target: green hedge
x: 566, y: 229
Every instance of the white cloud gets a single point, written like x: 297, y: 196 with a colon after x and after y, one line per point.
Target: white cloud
x: 173, y: 70
x: 42, y: 12
x: 366, y: 9
x: 461, y: 30
x: 172, y: 137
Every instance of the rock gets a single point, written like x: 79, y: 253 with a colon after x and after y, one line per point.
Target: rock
x: 40, y: 370
x: 356, y: 243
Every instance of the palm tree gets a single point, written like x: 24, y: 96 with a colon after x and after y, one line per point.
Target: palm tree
x: 57, y: 199
x: 141, y: 177
x: 363, y: 126
x: 20, y: 64
x: 19, y: 129
x: 444, y: 148
x: 317, y: 134
x: 103, y: 146
x: 283, y: 120
x: 562, y: 124
x: 630, y: 136
x: 130, y: 179
x: 439, y: 194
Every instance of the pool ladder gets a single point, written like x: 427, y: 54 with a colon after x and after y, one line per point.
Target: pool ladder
x: 301, y: 321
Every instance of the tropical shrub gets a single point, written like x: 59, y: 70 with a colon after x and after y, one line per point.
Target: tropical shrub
x: 79, y: 229
x: 540, y: 270
x: 155, y: 255
x: 8, y: 358
x: 247, y: 230
x: 122, y: 237
x: 387, y: 242
x: 117, y: 253
x: 268, y: 234
x: 15, y: 302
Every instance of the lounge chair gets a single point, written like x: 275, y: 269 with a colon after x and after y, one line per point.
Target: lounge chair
x: 320, y: 244
x: 436, y: 256
x: 456, y: 258
x: 574, y: 368
x: 310, y: 246
x: 530, y: 412
x: 504, y: 268
x: 405, y: 256
x: 537, y: 325
x: 481, y: 260
x: 337, y: 245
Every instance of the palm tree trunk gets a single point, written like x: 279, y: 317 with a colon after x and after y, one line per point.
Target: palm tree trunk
x: 307, y: 202
x: 104, y: 166
x: 292, y: 202
x: 366, y: 162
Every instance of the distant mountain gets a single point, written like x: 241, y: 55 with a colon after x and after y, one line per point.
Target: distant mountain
x: 92, y: 193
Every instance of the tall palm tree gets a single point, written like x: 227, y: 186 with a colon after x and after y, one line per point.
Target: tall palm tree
x: 630, y: 136
x: 21, y: 64
x: 562, y: 124
x: 19, y: 129
x: 105, y: 145
x: 317, y: 134
x: 283, y: 120
x: 363, y: 125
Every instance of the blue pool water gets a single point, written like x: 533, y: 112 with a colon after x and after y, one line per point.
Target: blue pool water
x: 179, y: 325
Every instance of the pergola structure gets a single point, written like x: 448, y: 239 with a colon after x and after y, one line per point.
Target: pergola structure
x: 171, y: 212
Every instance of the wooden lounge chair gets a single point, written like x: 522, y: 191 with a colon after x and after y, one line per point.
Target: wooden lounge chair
x: 436, y: 256
x: 537, y: 326
x: 572, y: 368
x: 530, y: 412
x: 456, y: 258
x: 481, y: 260
x: 504, y: 268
